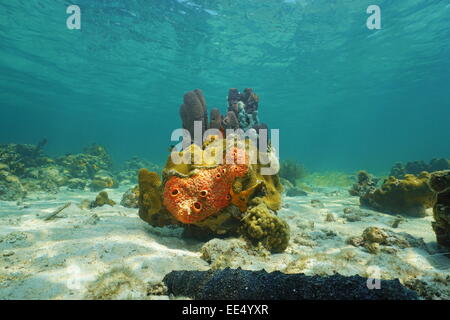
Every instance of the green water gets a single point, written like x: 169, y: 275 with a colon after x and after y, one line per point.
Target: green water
x: 344, y: 97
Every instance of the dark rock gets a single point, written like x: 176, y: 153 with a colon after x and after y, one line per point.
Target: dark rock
x: 238, y: 284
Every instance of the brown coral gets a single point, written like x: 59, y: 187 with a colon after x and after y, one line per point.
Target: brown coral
x: 149, y: 194
x: 102, y: 199
x: 440, y: 183
x: 410, y: 196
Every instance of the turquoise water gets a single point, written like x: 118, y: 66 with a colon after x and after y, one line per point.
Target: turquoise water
x: 344, y: 97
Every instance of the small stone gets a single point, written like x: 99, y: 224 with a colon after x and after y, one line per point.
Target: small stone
x: 347, y: 210
x: 373, y: 247
x: 330, y: 217
x: 317, y: 203
x: 8, y: 253
x: 374, y: 234
x: 355, y: 241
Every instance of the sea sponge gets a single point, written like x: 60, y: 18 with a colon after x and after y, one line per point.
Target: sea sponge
x: 231, y: 121
x: 194, y: 109
x: 206, y: 192
x: 440, y: 183
x: 215, y: 121
x: 365, y: 183
x: 410, y: 196
x: 261, y: 226
x: 250, y: 99
x: 130, y: 198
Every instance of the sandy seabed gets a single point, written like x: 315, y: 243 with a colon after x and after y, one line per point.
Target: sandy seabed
x: 109, y: 253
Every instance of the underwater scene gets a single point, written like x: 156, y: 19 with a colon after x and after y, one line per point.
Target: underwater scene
x: 221, y: 149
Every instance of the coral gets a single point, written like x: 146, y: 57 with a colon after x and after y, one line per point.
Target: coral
x: 440, y: 183
x: 76, y: 184
x: 11, y: 188
x: 19, y: 157
x: 102, y: 199
x: 376, y: 239
x: 291, y: 171
x: 260, y: 225
x: 410, y: 196
x: 99, y: 152
x: 241, y: 199
x: 150, y: 200
x: 102, y: 180
x: 242, y: 110
x: 130, y: 198
x: 86, y: 165
x: 205, y: 192
x: 416, y: 167
x: 46, y: 178
x: 365, y: 183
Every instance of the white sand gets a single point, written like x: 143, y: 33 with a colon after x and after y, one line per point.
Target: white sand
x: 65, y: 258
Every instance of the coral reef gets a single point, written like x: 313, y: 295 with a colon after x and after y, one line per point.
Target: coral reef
x: 409, y: 196
x: 128, y: 173
x: 102, y: 180
x: 19, y: 157
x: 440, y: 183
x: 101, y: 200
x: 130, y: 198
x: 85, y: 165
x: 399, y: 170
x: 238, y: 284
x: 76, y: 184
x: 26, y: 169
x: 215, y: 185
x: 11, y: 188
x: 150, y: 200
x: 292, y: 171
x: 365, y: 183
